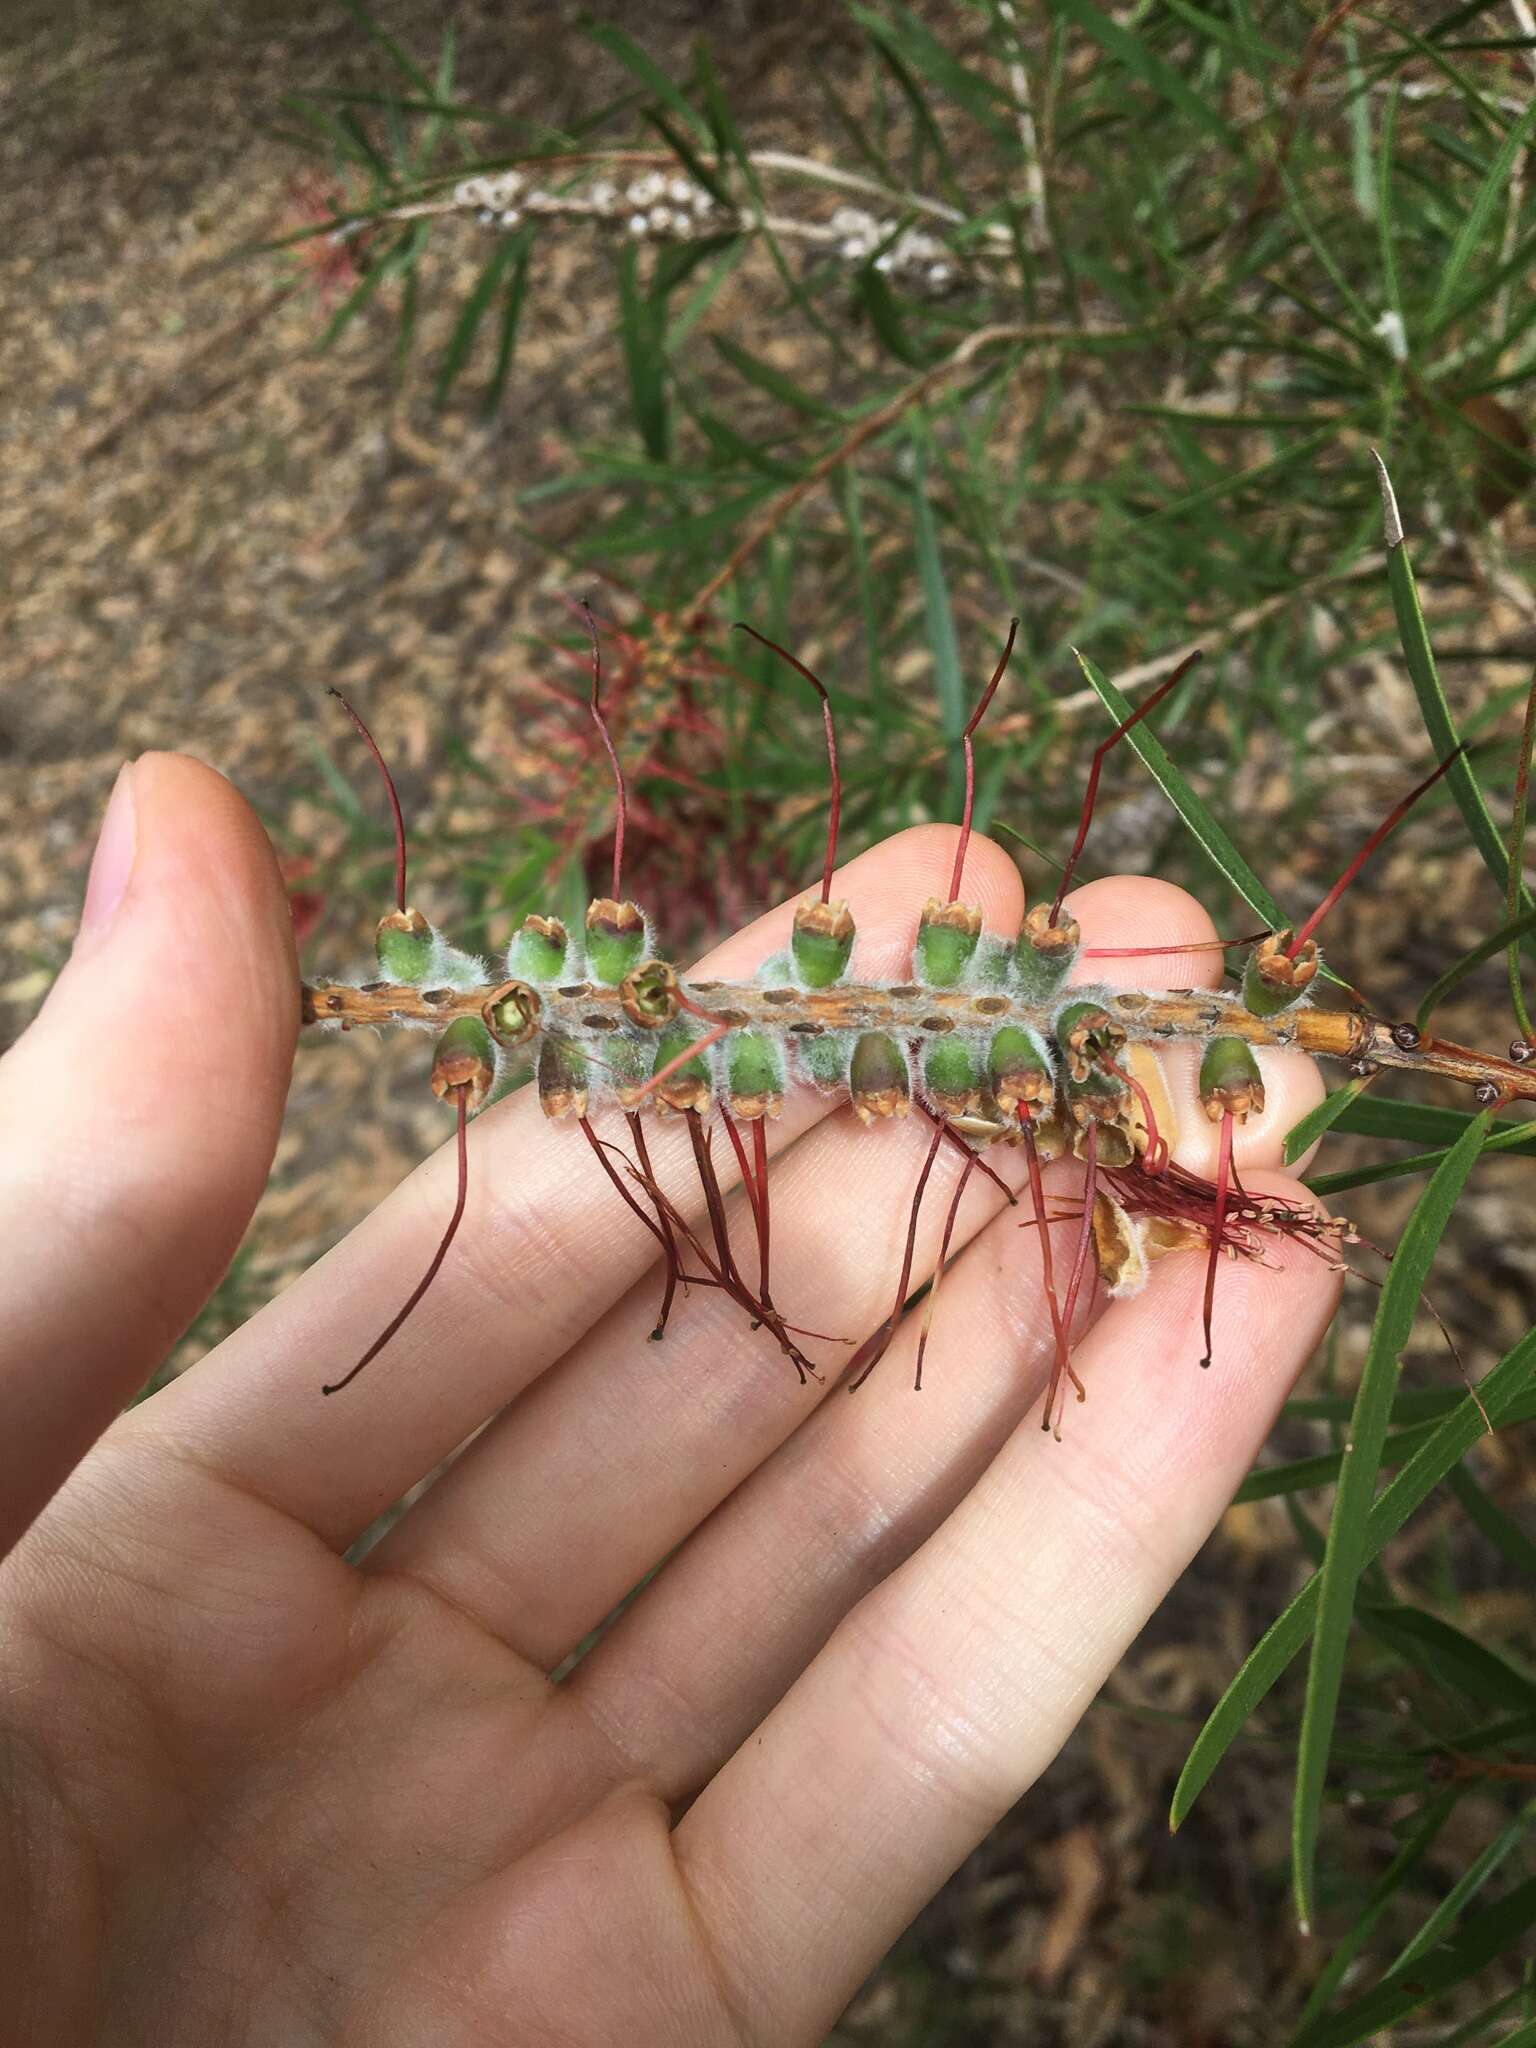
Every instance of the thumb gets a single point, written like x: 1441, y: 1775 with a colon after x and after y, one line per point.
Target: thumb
x: 140, y: 1113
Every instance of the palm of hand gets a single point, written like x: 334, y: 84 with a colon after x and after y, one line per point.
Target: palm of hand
x: 259, y: 1794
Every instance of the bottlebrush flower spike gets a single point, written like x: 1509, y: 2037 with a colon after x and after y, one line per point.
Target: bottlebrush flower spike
x: 985, y: 1039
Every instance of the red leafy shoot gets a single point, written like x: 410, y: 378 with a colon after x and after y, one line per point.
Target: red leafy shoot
x: 461, y: 1100
x: 1096, y: 768
x: 835, y: 808
x: 621, y: 803
x: 970, y: 761
x: 1388, y: 825
x: 394, y: 797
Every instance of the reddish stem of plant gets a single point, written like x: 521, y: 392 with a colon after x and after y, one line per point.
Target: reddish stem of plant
x: 970, y: 761
x: 621, y: 799
x: 906, y: 1266
x: 1388, y: 825
x: 461, y: 1098
x: 1155, y: 952
x: 394, y: 796
x: 1096, y: 768
x: 664, y: 1232
x: 760, y: 1157
x: 931, y: 1304
x: 1079, y: 1267
x: 1059, y: 1364
x: 835, y: 809
x: 1223, y: 1174
x: 1156, y: 1161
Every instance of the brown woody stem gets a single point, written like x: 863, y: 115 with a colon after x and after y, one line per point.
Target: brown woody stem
x: 906, y: 1012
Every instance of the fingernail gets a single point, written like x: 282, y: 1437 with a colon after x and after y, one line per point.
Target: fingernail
x: 112, y: 862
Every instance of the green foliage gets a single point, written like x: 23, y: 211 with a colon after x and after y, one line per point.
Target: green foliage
x: 1219, y: 253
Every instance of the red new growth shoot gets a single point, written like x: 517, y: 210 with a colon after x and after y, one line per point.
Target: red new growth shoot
x: 1223, y: 1173
x: 461, y: 1098
x: 1388, y: 824
x: 835, y: 809
x: 621, y: 802
x: 394, y: 799
x: 970, y: 761
x: 1096, y: 768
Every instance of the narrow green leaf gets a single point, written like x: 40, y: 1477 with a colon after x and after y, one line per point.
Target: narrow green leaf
x: 1480, y: 217
x: 1501, y: 1530
x: 1457, y: 973
x: 644, y: 358
x: 773, y: 381
x: 476, y: 305
x: 1138, y: 57
x: 1518, y: 1138
x: 506, y: 335
x: 645, y: 68
x: 1497, y: 1931
x: 1348, y: 1538
x: 1327, y: 1113
x: 1174, y: 785
x: 1465, y: 1889
x: 1446, y: 1654
x: 1436, y: 711
x: 397, y: 55
x: 1431, y: 1820
x: 948, y: 677
x: 1499, y: 1391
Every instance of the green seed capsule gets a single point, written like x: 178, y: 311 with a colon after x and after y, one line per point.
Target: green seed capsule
x: 465, y: 1057
x: 947, y: 937
x: 403, y: 943
x: 1087, y: 1035
x: 877, y: 1078
x: 825, y: 1059
x: 630, y: 1061
x: 1019, y: 1068
x: 822, y: 943
x: 952, y: 1076
x: 755, y: 1073
x: 615, y: 940
x: 562, y: 1076
x: 1045, y: 952
x: 538, y: 951
x: 1230, y: 1082
x: 689, y: 1087
x: 1272, y: 981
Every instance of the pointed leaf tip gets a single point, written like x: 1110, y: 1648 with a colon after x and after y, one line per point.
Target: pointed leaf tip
x: 1391, y: 518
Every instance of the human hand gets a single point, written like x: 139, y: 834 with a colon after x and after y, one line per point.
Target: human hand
x: 257, y: 1795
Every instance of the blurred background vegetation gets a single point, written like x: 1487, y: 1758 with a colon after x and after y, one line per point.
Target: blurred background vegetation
x: 872, y: 324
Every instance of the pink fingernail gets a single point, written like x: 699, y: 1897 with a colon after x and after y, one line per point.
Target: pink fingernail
x: 112, y: 862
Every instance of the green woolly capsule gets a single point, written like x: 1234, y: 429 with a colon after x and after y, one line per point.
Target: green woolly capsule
x: 1087, y: 1035
x: 825, y: 1059
x: 947, y: 938
x: 1019, y: 1068
x: 1043, y: 957
x: 877, y: 1078
x: 1230, y: 1082
x: 689, y: 1087
x: 952, y: 1076
x: 403, y: 944
x: 629, y: 1060
x: 465, y: 1057
x: 755, y: 1074
x: 822, y: 943
x: 538, y: 951
x: 1272, y: 981
x: 562, y: 1076
x: 615, y: 940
